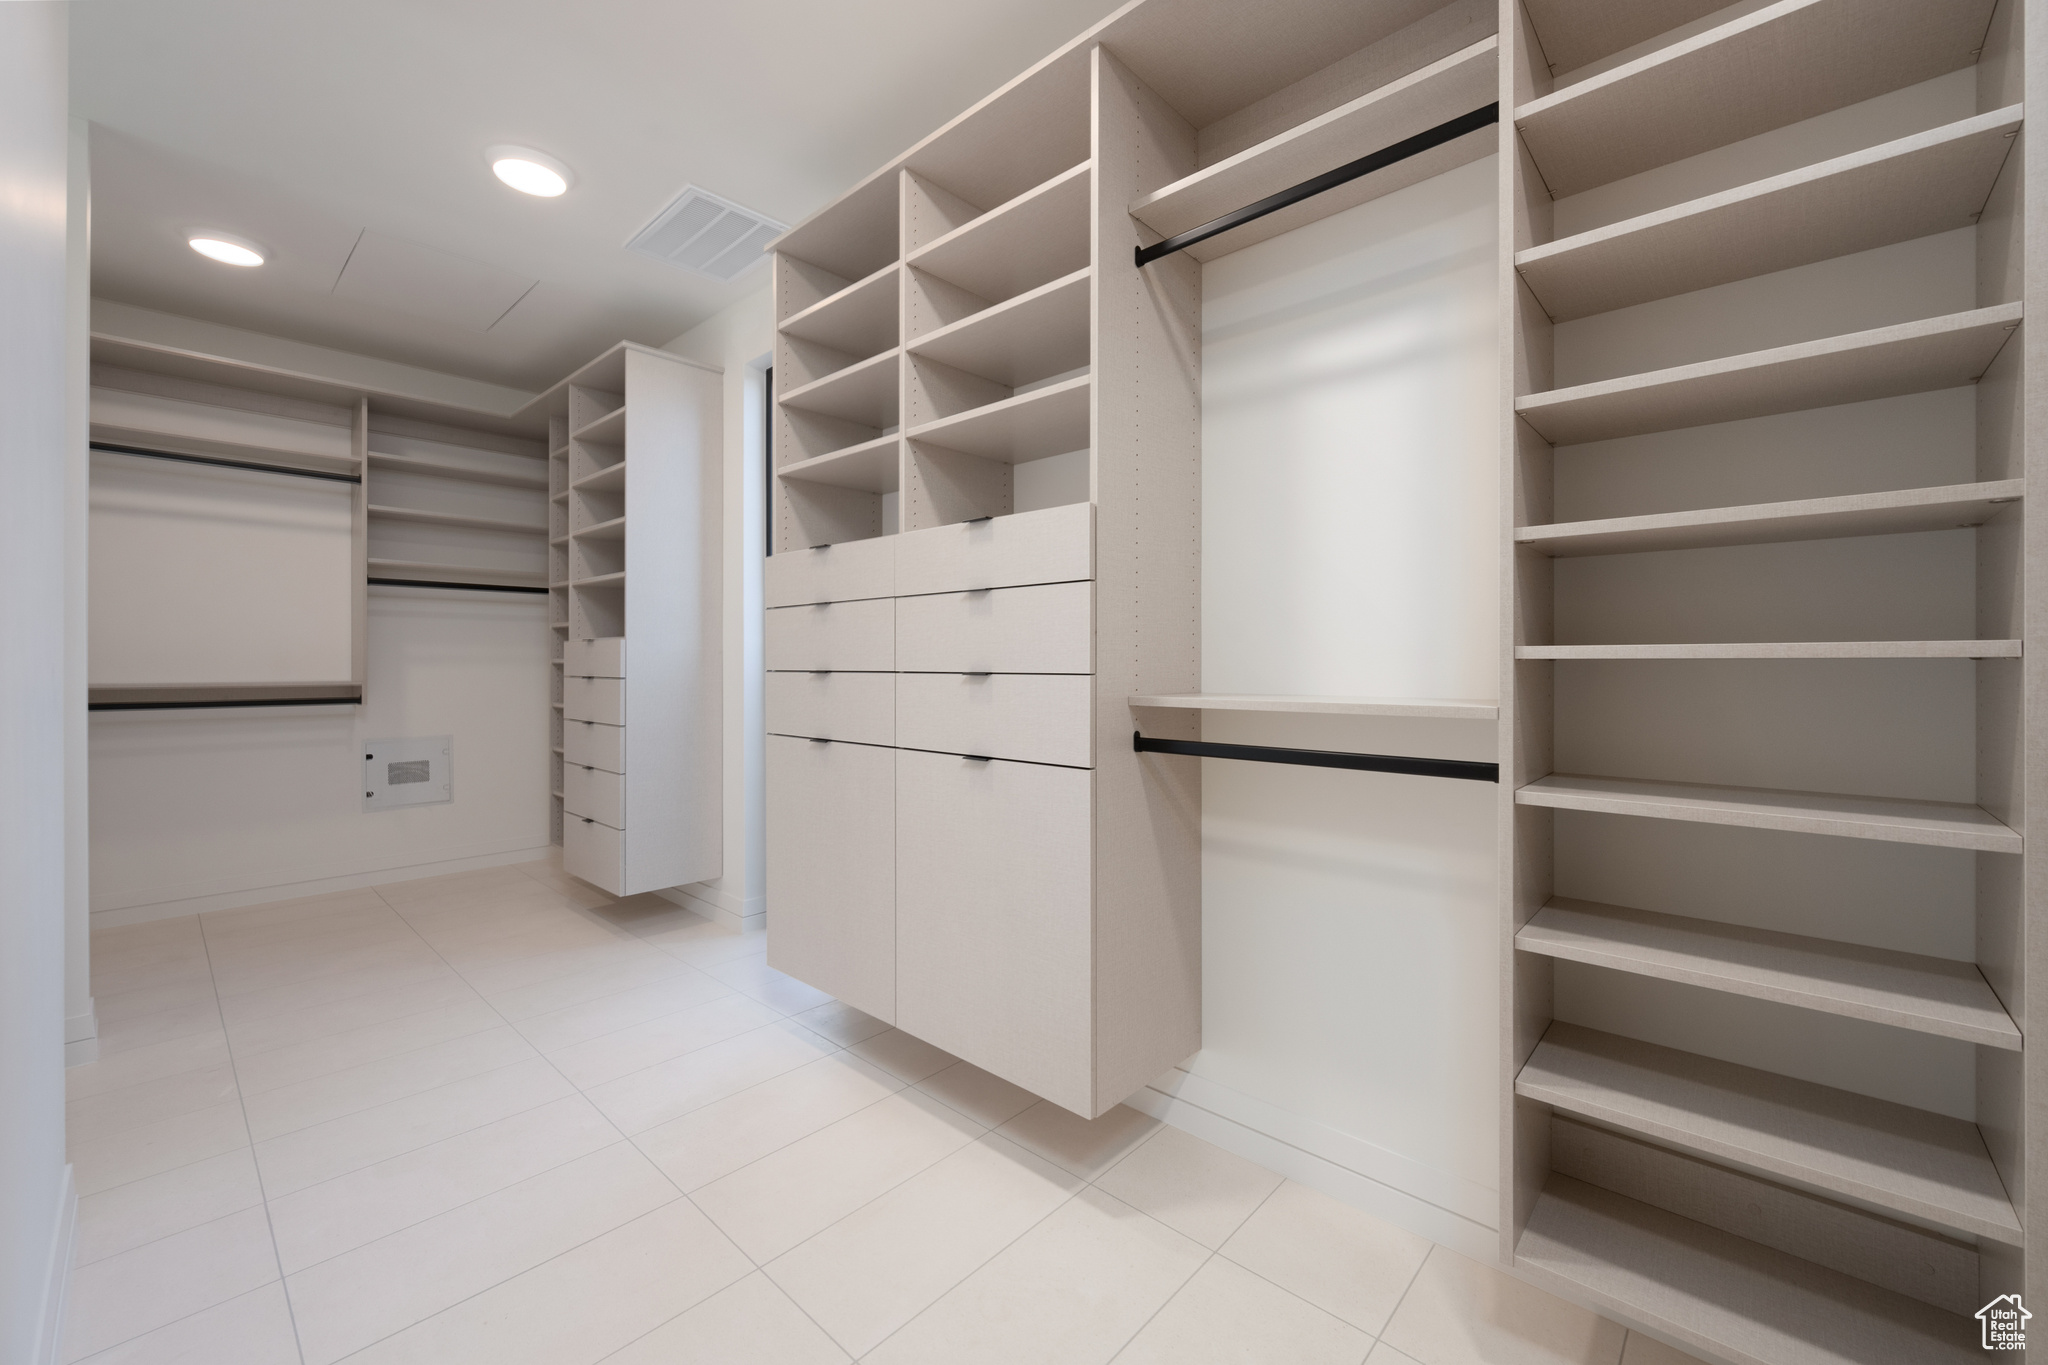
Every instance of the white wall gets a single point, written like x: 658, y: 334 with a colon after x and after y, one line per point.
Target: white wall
x: 36, y: 1204
x: 81, y: 1022
x: 1348, y: 532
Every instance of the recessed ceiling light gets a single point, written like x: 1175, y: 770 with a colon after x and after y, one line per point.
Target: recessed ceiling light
x: 528, y: 171
x: 228, y: 250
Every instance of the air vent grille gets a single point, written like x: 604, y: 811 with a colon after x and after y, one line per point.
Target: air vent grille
x: 707, y: 235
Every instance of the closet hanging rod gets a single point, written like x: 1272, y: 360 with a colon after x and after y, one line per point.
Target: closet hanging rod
x: 1328, y: 180
x: 224, y: 464
x: 238, y: 701
x: 1322, y: 758
x: 466, y: 587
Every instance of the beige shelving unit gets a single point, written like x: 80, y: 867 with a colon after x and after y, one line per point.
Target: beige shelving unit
x: 1750, y: 1203
x: 448, y: 504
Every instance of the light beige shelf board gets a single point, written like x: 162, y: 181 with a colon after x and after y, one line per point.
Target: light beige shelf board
x: 609, y: 429
x: 1722, y: 1295
x: 1574, y: 33
x: 871, y: 466
x: 1911, y: 1161
x: 1048, y: 421
x: 1039, y: 332
x: 1788, y: 649
x: 1744, y: 77
x: 1905, y: 990
x: 558, y: 540
x: 1434, y: 94
x: 605, y: 580
x: 455, y: 573
x: 607, y: 480
x: 864, y: 392
x: 859, y: 319
x: 1414, y: 708
x: 1912, y: 357
x: 415, y: 514
x: 446, y: 469
x: 615, y: 529
x: 1941, y: 824
x: 562, y: 496
x: 1040, y: 235
x: 1856, y: 514
x: 1914, y: 187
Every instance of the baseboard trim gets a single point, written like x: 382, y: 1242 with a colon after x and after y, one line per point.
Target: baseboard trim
x: 82, y: 1037
x: 57, y: 1277
x: 262, y: 895
x: 717, y: 906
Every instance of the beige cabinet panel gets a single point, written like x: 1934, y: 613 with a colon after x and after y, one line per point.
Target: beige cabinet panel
x: 1045, y: 629
x: 599, y: 699
x: 1036, y: 717
x: 831, y: 883
x: 1055, y: 545
x: 604, y: 658
x: 594, y: 852
x: 594, y: 746
x: 860, y: 707
x: 845, y: 572
x: 594, y: 794
x: 994, y: 925
x: 857, y: 636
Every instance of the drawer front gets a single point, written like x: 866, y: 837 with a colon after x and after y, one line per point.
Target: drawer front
x: 846, y: 572
x: 860, y: 707
x: 832, y: 869
x: 594, y: 794
x: 594, y: 852
x: 994, y: 927
x: 595, y: 746
x: 595, y: 658
x: 1036, y: 717
x: 1046, y: 629
x: 1056, y: 545
x: 599, y: 699
x: 854, y: 636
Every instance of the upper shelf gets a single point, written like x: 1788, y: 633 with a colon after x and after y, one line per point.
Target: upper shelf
x: 870, y: 466
x: 1457, y: 84
x: 447, y: 469
x: 609, y: 429
x: 456, y: 573
x: 1912, y: 357
x: 1040, y: 235
x: 1745, y: 77
x: 1048, y: 421
x: 864, y: 393
x: 1800, y: 649
x: 1319, y: 705
x: 416, y: 514
x: 1913, y: 187
x: 1042, y: 332
x: 859, y: 320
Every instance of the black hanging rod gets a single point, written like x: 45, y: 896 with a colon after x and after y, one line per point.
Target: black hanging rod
x: 224, y: 464
x: 466, y: 587
x: 1322, y: 758
x: 239, y: 701
x: 1328, y: 180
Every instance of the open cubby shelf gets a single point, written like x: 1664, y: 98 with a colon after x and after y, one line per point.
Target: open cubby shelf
x: 1040, y: 235
x: 1041, y: 332
x: 1854, y: 514
x: 859, y: 320
x: 1048, y: 421
x: 1785, y: 649
x: 448, y: 469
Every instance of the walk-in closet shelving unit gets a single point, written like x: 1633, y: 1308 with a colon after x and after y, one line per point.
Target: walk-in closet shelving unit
x: 987, y: 516
x: 634, y: 440
x: 1771, y: 690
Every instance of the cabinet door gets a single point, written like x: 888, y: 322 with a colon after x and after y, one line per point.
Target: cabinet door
x: 1055, y: 545
x: 1046, y: 629
x: 993, y: 918
x: 832, y: 869
x: 853, y: 636
x: 1036, y: 717
x: 860, y: 707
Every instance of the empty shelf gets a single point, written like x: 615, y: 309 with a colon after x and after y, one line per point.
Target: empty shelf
x: 1795, y: 649
x: 609, y: 429
x: 610, y: 479
x: 1725, y: 1295
x: 615, y: 529
x: 1329, y: 706
x: 1911, y: 1161
x: 1745, y: 77
x: 605, y: 580
x: 416, y: 514
x: 1856, y: 514
x: 1048, y: 421
x: 870, y: 466
x: 863, y: 392
x: 446, y: 469
x: 1912, y: 357
x: 1943, y: 824
x: 859, y: 320
x: 1457, y: 84
x: 456, y: 573
x: 1930, y: 182
x: 1040, y: 332
x: 1040, y: 235
x: 1906, y: 990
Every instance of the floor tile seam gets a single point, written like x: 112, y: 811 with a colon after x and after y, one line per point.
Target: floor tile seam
x: 1129, y: 1340
x: 388, y: 1057
x: 372, y: 989
x: 744, y: 1033
x: 495, y: 1284
x: 1372, y: 1338
x: 314, y: 939
x: 485, y: 990
x: 612, y: 1033
x: 70, y: 1119
x: 183, y: 1317
x: 403, y: 935
x: 600, y: 935
x: 407, y: 1095
x: 1408, y: 1289
x: 130, y: 1085
x: 219, y: 1024
x: 1103, y: 1174
x: 237, y: 992
x: 248, y: 1131
x: 179, y: 1231
x: 397, y: 1019
x: 603, y: 995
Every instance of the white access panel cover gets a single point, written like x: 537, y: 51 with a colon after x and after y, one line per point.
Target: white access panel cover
x: 408, y: 772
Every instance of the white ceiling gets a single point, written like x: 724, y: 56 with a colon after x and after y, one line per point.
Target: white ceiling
x: 321, y: 128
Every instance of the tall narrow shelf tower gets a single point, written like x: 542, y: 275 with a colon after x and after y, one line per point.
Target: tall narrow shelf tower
x: 1771, y: 685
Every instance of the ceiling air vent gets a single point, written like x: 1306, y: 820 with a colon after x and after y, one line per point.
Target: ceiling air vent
x: 707, y: 235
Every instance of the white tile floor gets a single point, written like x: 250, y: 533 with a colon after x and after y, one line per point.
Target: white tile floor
x: 498, y: 1117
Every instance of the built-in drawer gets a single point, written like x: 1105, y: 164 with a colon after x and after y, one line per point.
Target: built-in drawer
x: 598, y: 699
x: 845, y: 572
x: 1036, y: 717
x: 594, y: 794
x: 860, y: 707
x: 854, y: 636
x: 1045, y: 629
x: 594, y: 746
x: 595, y: 658
x: 594, y: 852
x: 831, y: 864
x: 1055, y: 545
